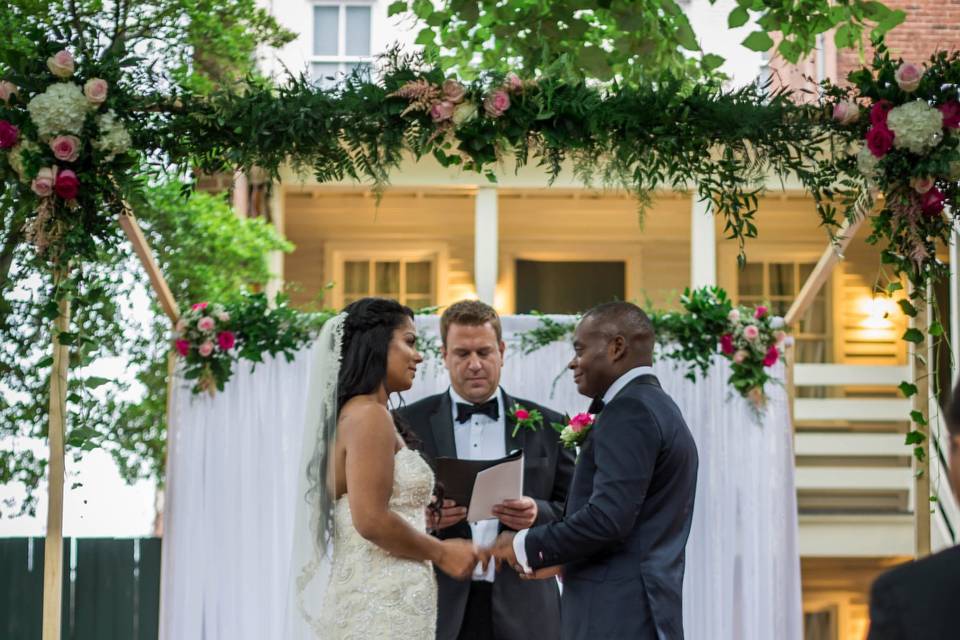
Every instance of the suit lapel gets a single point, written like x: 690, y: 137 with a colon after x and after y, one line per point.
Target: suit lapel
x: 441, y: 424
x: 511, y: 442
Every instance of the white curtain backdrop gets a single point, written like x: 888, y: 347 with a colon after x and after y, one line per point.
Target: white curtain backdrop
x: 230, y: 496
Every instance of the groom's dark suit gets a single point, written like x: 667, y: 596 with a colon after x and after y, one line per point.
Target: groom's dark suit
x: 628, y: 516
x: 521, y: 609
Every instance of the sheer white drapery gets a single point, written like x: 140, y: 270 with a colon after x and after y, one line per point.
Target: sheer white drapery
x: 231, y: 485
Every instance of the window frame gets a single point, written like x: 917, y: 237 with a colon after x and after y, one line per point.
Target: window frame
x: 341, y: 59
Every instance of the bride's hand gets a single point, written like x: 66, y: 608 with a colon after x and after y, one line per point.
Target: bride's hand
x: 457, y: 558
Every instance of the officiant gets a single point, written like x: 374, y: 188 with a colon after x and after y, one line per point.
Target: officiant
x: 477, y: 420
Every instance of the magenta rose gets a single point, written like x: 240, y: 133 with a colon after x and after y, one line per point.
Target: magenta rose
x: 908, y: 76
x: 846, y: 112
x: 751, y: 333
x: 226, y: 340
x: 43, y: 183
x: 95, y: 90
x: 61, y: 64
x: 206, y: 349
x: 198, y: 306
x: 879, y: 140
x: 496, y: 103
x: 879, y: 111
x: 66, y: 148
x: 760, y: 312
x: 441, y: 111
x: 726, y: 344
x: 67, y: 184
x: 932, y: 202
x: 183, y: 347
x: 522, y: 414
x: 580, y: 422
x: 205, y: 324
x: 951, y: 114
x: 771, y: 358
x: 9, y: 134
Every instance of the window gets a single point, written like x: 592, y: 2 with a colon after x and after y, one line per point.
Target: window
x: 567, y: 287
x: 779, y: 283
x: 409, y: 280
x: 341, y: 41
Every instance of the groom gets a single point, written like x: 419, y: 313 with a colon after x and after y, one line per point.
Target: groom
x: 472, y: 420
x: 620, y: 545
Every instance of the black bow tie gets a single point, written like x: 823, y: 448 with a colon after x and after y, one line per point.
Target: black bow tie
x: 489, y: 408
x: 596, y: 406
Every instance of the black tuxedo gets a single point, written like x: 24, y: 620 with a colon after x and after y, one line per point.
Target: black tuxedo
x: 916, y: 600
x: 623, y: 536
x: 521, y: 609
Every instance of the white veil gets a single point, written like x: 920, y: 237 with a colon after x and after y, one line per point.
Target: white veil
x: 314, y: 527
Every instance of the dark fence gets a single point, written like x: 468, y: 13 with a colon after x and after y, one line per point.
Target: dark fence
x: 111, y: 588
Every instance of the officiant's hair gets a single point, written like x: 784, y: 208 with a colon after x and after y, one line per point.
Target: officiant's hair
x: 471, y: 313
x: 625, y: 315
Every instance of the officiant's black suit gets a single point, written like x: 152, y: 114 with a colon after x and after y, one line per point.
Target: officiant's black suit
x: 522, y: 610
x: 628, y: 516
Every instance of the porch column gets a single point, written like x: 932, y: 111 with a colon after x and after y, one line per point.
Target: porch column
x: 485, y: 244
x: 703, y: 244
x: 275, y: 259
x: 954, y: 301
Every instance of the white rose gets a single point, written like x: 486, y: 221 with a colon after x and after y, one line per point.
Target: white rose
x: 734, y: 316
x: 7, y: 91
x: 777, y: 322
x: 464, y: 112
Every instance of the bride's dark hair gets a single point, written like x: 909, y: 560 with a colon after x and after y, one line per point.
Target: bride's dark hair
x: 367, y: 333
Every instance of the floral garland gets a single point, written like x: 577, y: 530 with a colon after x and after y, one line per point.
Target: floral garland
x: 62, y: 140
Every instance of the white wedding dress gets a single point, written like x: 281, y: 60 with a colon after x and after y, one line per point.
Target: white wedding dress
x: 375, y: 595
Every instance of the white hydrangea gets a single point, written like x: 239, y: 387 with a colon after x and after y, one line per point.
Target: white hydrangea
x: 867, y: 163
x: 916, y: 125
x: 15, y: 158
x: 114, y: 138
x: 61, y: 109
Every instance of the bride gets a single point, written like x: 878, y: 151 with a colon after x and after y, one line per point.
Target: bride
x: 362, y: 557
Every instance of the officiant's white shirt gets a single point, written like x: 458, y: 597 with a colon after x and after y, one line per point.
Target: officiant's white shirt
x: 519, y: 548
x: 481, y: 438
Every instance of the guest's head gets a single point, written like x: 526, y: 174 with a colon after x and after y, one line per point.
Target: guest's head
x: 610, y: 339
x: 472, y: 349
x: 379, y: 348
x: 953, y: 428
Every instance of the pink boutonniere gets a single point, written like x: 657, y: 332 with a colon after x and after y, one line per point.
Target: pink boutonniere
x: 574, y: 432
x: 527, y: 418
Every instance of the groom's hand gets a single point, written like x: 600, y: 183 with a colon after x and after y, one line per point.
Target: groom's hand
x: 449, y: 515
x: 517, y: 514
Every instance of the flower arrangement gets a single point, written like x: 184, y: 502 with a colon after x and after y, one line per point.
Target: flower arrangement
x: 753, y: 342
x: 574, y: 430
x: 60, y: 140
x: 525, y: 418
x: 204, y: 339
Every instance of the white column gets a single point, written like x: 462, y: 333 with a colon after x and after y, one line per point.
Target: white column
x: 954, y: 301
x: 703, y: 245
x: 275, y: 259
x: 485, y: 244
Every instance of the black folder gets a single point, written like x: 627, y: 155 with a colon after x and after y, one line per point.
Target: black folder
x: 458, y: 476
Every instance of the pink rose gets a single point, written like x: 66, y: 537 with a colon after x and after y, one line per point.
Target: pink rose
x: 908, y: 76
x: 580, y: 422
x: 61, y: 64
x: 780, y: 336
x: 42, y: 185
x: 453, y: 91
x: 496, y: 103
x: 921, y: 185
x: 759, y: 312
x: 66, y: 148
x: 67, y: 184
x: 879, y: 140
x: 846, y: 112
x: 95, y: 89
x: 726, y: 344
x: 879, y: 111
x: 183, y: 347
x: 751, y: 333
x: 226, y: 340
x: 932, y: 202
x: 740, y: 356
x: 513, y: 82
x: 771, y: 358
x: 205, y: 324
x: 951, y: 114
x: 9, y: 134
x: 206, y: 349
x: 223, y: 316
x: 441, y: 111
x: 199, y: 306
x: 522, y: 414
x: 7, y: 91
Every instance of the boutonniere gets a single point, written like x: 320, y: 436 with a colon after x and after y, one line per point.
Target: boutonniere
x: 575, y: 431
x: 528, y: 419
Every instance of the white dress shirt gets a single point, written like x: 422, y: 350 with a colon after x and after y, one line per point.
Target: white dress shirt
x: 519, y: 547
x: 481, y: 438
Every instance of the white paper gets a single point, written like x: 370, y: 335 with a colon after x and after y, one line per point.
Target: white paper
x: 493, y: 486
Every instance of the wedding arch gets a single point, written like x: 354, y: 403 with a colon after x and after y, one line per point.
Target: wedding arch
x: 74, y: 132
